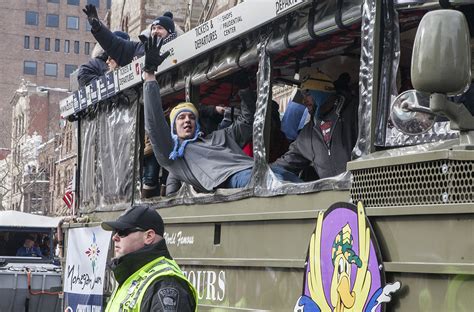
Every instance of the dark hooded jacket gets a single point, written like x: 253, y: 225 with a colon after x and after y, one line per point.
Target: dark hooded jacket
x: 94, y: 68
x: 128, y: 264
x: 310, y: 149
x: 121, y: 50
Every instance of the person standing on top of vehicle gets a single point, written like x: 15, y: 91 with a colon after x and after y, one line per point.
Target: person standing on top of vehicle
x: 148, y: 278
x: 206, y: 163
x: 97, y: 64
x: 327, y: 141
x: 28, y: 249
x: 124, y: 51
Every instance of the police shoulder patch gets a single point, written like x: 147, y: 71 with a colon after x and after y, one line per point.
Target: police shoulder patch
x: 169, y: 298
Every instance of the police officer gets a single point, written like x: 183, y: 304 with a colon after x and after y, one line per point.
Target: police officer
x: 148, y: 278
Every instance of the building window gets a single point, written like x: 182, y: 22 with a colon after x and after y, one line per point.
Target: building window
x: 109, y: 4
x: 50, y: 69
x: 31, y: 18
x: 26, y: 42
x: 87, y: 48
x: 53, y: 1
x: 69, y: 69
x: 29, y: 67
x: 52, y: 20
x: 37, y: 43
x: 72, y: 22
x: 76, y: 47
x: 94, y: 2
x: 57, y: 45
x: 47, y: 44
x: 66, y: 46
x: 88, y: 26
x: 73, y: 2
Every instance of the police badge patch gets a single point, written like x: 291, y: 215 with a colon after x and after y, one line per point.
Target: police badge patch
x: 169, y: 299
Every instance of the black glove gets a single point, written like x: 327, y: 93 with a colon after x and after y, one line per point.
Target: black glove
x: 92, y: 17
x: 153, y: 59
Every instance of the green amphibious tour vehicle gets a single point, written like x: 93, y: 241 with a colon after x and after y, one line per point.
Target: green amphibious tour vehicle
x: 394, y: 231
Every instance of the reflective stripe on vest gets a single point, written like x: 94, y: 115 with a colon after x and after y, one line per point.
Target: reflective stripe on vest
x: 129, y: 296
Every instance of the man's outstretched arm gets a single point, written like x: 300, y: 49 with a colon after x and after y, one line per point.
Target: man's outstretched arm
x: 117, y: 48
x: 155, y: 121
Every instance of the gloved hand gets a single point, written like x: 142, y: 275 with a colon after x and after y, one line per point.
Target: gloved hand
x: 92, y: 16
x: 153, y: 58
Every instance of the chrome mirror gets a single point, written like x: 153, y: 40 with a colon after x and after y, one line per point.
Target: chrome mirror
x: 410, y: 113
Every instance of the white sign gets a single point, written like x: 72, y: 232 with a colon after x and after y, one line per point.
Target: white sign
x: 65, y: 107
x: 85, y: 267
x: 226, y: 26
x: 130, y: 75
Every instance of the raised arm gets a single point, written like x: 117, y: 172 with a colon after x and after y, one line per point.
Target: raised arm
x: 117, y: 48
x: 155, y: 121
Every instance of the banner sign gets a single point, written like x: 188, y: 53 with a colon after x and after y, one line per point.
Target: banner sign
x: 223, y: 28
x: 85, y: 268
x: 102, y: 87
x: 344, y: 269
x: 91, y: 91
x: 82, y: 98
x: 66, y: 107
x: 112, y: 83
x: 130, y: 75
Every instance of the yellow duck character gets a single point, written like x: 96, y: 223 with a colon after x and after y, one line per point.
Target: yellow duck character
x: 343, y: 299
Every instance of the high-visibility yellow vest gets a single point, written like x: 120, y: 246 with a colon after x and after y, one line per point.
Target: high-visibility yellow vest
x: 128, y: 297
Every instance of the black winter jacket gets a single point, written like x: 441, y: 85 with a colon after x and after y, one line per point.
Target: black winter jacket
x: 94, y: 68
x: 121, y: 50
x: 128, y: 264
x: 310, y: 149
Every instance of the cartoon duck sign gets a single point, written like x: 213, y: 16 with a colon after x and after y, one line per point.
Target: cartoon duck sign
x: 343, y: 269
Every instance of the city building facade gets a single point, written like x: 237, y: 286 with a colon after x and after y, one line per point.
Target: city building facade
x: 34, y: 148
x: 44, y: 41
x: 134, y: 16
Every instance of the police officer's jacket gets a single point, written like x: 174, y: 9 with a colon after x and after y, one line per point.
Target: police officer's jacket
x: 150, y: 270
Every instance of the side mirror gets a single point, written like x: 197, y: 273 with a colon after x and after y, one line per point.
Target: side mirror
x: 441, y: 65
x: 410, y: 113
x: 441, y: 61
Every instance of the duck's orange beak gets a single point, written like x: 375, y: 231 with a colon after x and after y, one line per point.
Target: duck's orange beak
x: 344, y: 290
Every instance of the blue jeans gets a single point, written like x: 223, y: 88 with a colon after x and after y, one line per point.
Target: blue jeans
x: 151, y: 171
x: 242, y: 178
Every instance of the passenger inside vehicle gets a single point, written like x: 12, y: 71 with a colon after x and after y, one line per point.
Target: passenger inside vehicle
x: 207, y: 162
x: 29, y: 249
x: 326, y: 142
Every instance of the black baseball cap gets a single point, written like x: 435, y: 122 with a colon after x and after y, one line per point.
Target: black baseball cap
x: 143, y: 217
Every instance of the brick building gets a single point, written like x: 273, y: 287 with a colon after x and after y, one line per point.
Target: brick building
x: 134, y: 16
x: 43, y: 41
x: 35, y: 127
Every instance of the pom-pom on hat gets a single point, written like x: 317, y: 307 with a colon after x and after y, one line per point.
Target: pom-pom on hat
x: 166, y: 21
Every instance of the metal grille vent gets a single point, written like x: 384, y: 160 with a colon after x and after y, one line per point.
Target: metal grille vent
x: 424, y: 183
